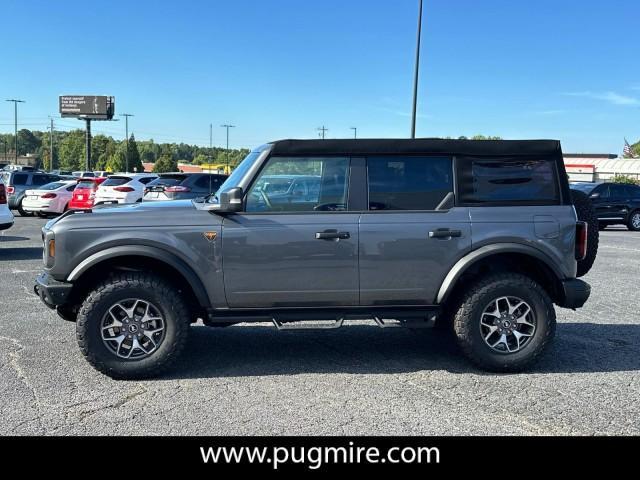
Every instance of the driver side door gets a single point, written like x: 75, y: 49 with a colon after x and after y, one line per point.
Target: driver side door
x: 286, y: 249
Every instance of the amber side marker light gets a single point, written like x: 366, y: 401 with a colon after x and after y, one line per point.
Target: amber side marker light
x: 52, y: 248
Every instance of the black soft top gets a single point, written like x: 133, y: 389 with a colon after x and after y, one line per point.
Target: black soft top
x: 387, y: 146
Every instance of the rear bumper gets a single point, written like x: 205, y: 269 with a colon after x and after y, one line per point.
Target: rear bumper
x: 52, y: 292
x: 575, y: 293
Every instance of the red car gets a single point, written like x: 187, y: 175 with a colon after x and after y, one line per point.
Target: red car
x: 85, y: 192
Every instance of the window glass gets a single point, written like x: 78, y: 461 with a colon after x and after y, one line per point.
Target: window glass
x: 52, y: 186
x: 20, y: 179
x: 40, y: 180
x: 633, y: 191
x: 145, y: 180
x: 617, y: 191
x: 115, y: 181
x: 530, y: 181
x: 86, y: 184
x: 207, y: 181
x: 300, y: 185
x: 408, y: 183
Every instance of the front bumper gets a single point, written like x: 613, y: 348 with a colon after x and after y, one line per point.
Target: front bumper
x: 575, y: 293
x: 52, y: 292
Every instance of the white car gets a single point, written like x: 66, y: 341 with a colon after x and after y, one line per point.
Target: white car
x: 53, y: 197
x: 123, y: 188
x: 6, y: 217
x: 82, y: 174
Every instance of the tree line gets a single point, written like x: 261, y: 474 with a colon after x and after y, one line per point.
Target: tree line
x: 69, y: 152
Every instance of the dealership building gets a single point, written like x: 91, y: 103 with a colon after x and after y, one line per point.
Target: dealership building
x: 594, y: 167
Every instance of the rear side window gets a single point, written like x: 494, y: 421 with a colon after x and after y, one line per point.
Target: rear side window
x: 508, y: 182
x: 115, y: 181
x: 20, y: 179
x: 408, y: 183
x: 206, y: 181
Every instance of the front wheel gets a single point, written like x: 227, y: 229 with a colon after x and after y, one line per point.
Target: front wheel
x: 505, y: 322
x: 132, y: 326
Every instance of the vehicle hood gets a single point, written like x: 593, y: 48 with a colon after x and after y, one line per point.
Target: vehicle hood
x: 137, y: 215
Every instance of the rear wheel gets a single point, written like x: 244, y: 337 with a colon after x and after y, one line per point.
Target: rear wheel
x: 133, y: 326
x: 634, y: 221
x: 22, y: 211
x: 505, y: 322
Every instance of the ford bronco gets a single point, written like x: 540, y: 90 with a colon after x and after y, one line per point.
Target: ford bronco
x: 480, y: 237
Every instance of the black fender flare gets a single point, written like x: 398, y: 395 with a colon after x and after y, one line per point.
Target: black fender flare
x: 471, y: 258
x: 145, y: 251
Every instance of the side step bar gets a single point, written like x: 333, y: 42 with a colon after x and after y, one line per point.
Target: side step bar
x: 429, y: 322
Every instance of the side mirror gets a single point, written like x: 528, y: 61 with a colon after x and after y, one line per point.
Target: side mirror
x: 231, y: 200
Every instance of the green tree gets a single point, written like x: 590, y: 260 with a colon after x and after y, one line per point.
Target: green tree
x: 117, y: 161
x: 27, y: 142
x: 72, y: 151
x: 135, y: 164
x: 620, y: 178
x: 165, y: 163
x: 200, y: 159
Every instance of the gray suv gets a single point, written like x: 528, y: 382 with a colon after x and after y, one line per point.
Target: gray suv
x: 477, y: 236
x: 17, y: 182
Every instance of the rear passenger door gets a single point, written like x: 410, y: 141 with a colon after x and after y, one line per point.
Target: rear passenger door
x: 412, y: 234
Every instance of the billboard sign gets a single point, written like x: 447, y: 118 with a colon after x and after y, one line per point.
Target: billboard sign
x: 97, y: 107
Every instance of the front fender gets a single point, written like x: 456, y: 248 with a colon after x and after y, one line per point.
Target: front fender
x: 170, y: 259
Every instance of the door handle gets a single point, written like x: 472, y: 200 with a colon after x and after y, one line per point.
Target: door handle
x: 445, y: 233
x: 332, y: 235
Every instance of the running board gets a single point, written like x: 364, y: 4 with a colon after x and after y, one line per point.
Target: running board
x: 428, y: 322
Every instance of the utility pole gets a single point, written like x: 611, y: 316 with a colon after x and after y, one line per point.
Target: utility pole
x: 87, y: 140
x: 415, y: 78
x: 51, y: 144
x: 227, y: 127
x: 210, y: 140
x: 126, y: 132
x: 322, y: 131
x: 15, y: 123
x: 355, y: 132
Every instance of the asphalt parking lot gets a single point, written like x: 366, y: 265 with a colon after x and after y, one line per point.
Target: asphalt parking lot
x: 353, y: 381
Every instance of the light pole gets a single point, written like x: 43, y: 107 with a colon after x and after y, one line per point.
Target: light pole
x: 355, y: 132
x: 415, y: 78
x: 322, y: 131
x: 126, y: 132
x: 227, y: 127
x: 15, y: 123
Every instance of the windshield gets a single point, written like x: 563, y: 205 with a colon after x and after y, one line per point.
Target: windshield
x: 239, y: 172
x: 168, y: 180
x: 583, y: 187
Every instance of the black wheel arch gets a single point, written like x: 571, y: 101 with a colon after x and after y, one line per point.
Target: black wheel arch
x: 139, y: 258
x: 503, y: 258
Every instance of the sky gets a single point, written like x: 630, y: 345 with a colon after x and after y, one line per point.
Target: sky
x: 561, y: 69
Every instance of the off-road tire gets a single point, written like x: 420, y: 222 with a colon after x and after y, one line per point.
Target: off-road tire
x: 481, y: 294
x: 630, y: 224
x: 120, y: 286
x: 586, y: 213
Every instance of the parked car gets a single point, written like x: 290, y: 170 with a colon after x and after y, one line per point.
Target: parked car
x: 82, y: 174
x: 50, y: 198
x: 178, y: 186
x: 614, y: 203
x: 101, y: 173
x: 18, y: 182
x: 286, y: 191
x: 20, y: 168
x: 6, y: 217
x: 85, y: 192
x: 61, y: 173
x: 123, y: 188
x: 409, y: 233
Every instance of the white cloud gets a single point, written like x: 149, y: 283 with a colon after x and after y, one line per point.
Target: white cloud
x: 609, y: 97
